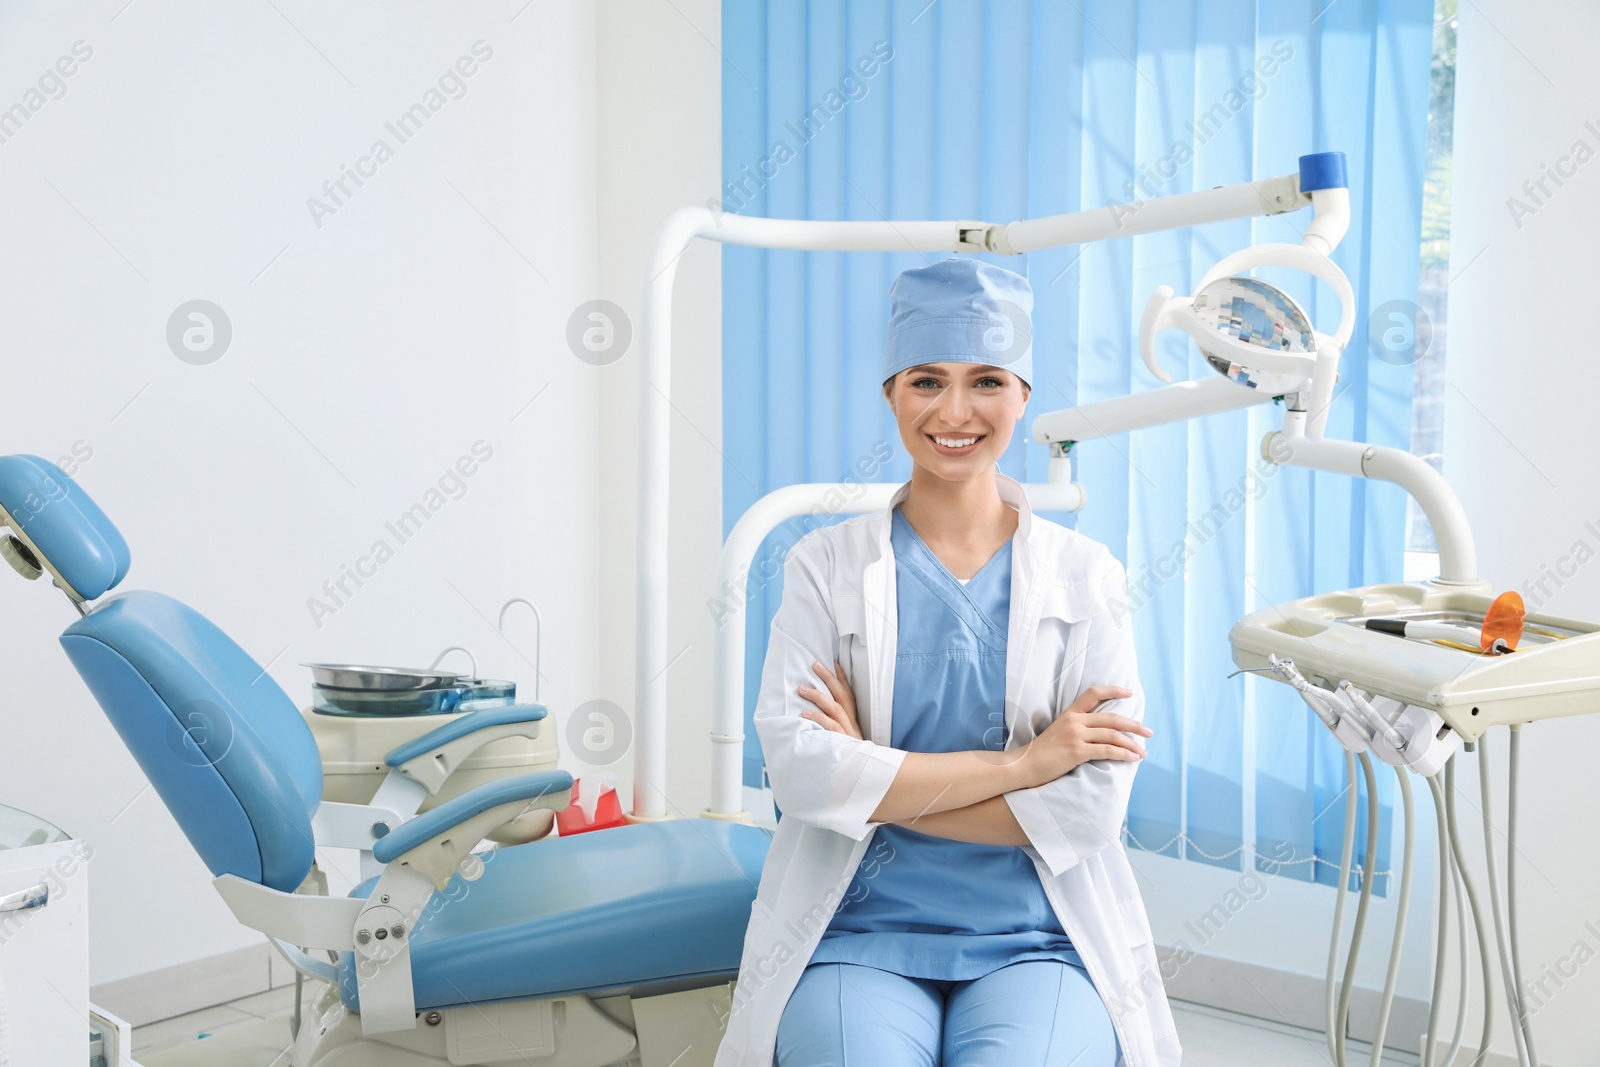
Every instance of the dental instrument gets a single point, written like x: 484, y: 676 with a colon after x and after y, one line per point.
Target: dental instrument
x: 1501, y: 631
x: 1450, y: 633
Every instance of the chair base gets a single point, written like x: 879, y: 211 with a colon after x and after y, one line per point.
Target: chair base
x: 677, y: 1029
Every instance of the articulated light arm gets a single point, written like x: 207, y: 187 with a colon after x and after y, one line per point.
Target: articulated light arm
x: 1274, y: 372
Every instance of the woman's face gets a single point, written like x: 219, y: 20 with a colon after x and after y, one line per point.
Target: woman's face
x: 956, y: 419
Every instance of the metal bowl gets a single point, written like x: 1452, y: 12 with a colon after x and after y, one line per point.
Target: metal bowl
x: 355, y: 676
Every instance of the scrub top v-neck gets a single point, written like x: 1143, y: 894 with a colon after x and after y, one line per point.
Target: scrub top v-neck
x: 926, y: 906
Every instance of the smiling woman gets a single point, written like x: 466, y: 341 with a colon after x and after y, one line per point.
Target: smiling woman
x: 954, y: 759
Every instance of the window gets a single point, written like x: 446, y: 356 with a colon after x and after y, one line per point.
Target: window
x: 1427, y: 405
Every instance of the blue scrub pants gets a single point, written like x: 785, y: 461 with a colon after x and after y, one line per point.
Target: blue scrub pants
x: 1034, y: 1013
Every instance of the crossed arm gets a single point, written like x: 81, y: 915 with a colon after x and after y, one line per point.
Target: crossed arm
x: 1067, y: 788
x: 961, y: 795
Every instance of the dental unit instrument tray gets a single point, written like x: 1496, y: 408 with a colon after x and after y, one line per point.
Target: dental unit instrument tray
x: 355, y: 676
x: 345, y: 689
x: 359, y: 714
x: 1554, y: 671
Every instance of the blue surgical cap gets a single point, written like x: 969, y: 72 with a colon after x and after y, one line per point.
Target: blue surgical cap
x: 960, y: 310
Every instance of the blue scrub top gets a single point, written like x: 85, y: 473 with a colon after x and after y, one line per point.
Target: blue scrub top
x: 926, y: 906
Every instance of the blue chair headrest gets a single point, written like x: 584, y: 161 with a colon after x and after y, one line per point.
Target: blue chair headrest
x: 58, y: 528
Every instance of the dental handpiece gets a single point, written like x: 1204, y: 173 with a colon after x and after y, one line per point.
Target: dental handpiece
x: 1373, y: 718
x: 1317, y: 699
x: 1436, y: 631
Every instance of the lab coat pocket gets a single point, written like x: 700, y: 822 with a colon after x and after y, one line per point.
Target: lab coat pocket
x: 1074, y: 601
x: 1064, y: 633
x: 850, y: 616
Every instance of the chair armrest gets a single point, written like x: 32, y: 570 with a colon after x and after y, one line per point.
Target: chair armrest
x: 419, y: 857
x: 431, y: 758
x: 435, y: 841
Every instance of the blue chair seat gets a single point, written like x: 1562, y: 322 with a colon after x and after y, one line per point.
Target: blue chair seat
x: 608, y: 910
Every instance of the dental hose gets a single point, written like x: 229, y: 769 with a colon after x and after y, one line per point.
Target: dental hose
x: 1466, y: 968
x: 1346, y: 852
x: 1402, y: 904
x: 1524, y: 1019
x: 1370, y: 862
x: 1513, y: 994
x: 1445, y: 880
x: 1449, y: 879
x: 1477, y: 914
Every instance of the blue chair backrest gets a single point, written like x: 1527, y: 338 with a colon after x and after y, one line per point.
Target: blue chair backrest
x: 222, y: 744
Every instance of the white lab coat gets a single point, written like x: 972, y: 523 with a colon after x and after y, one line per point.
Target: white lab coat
x: 1069, y: 629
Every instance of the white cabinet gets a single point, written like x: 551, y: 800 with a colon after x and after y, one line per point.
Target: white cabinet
x: 44, y: 944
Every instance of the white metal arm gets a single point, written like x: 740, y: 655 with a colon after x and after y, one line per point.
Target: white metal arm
x: 1272, y: 196
x: 1458, y: 554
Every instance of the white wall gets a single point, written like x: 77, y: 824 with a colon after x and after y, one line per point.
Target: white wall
x: 1522, y: 383
x: 368, y: 354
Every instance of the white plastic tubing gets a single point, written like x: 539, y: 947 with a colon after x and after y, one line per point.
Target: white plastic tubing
x: 1267, y: 197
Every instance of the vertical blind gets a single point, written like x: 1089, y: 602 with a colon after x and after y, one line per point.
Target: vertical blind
x: 958, y: 109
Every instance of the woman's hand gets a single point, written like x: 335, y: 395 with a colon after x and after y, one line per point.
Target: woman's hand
x: 837, y: 707
x: 1080, y: 734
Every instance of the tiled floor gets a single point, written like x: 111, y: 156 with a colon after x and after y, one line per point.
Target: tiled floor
x: 254, y: 1032
x: 1213, y: 1038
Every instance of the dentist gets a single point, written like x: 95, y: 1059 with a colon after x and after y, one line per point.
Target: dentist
x: 950, y: 714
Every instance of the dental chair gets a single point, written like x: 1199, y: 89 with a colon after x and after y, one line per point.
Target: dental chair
x: 613, y: 947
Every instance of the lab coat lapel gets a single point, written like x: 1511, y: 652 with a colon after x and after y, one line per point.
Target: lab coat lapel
x: 878, y: 587
x: 1031, y: 573
x: 1032, y: 570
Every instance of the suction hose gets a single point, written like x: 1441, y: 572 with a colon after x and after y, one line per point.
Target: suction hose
x: 1331, y: 1007
x: 1449, y: 880
x: 1524, y: 1019
x: 1513, y: 995
x: 1402, y: 905
x: 1477, y: 914
x: 1371, y: 861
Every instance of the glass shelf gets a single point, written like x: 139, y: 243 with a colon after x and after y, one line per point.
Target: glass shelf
x: 18, y: 829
